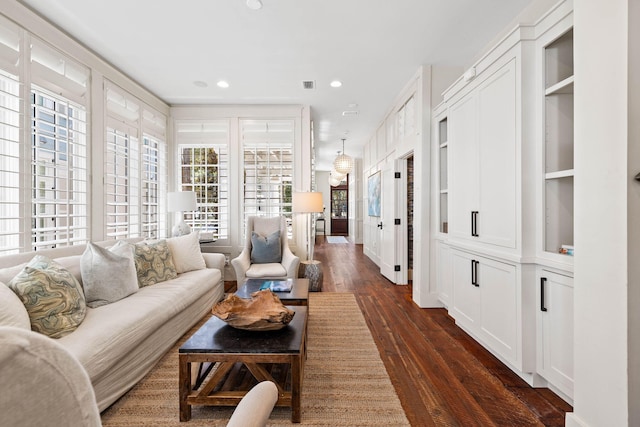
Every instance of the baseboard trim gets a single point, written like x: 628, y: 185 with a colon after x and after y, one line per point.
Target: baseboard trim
x: 572, y: 420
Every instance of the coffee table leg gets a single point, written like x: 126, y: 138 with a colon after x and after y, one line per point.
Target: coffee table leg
x: 296, y: 388
x: 185, y: 387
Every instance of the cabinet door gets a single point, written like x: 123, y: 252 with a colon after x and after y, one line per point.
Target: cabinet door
x: 466, y: 295
x: 497, y: 142
x: 463, y: 188
x: 555, y: 330
x: 444, y: 273
x: 497, y: 282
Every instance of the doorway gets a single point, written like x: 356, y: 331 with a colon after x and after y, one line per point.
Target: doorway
x: 339, y: 210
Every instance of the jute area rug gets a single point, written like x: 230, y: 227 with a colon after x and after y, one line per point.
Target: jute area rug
x: 345, y: 382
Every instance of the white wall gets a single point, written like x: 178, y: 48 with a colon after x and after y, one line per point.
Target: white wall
x: 601, y: 314
x: 633, y: 302
x: 322, y: 185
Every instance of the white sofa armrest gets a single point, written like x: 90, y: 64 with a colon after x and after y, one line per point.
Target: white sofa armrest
x: 43, y: 384
x: 290, y: 262
x: 241, y: 264
x: 213, y: 260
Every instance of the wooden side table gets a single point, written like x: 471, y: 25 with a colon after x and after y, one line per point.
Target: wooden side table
x: 312, y: 270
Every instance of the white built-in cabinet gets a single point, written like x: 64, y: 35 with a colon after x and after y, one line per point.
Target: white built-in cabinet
x: 444, y: 272
x: 555, y: 330
x: 486, y: 303
x: 505, y: 179
x: 557, y: 54
x: 482, y: 139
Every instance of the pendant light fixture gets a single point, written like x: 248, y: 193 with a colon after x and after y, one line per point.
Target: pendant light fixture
x: 343, y: 163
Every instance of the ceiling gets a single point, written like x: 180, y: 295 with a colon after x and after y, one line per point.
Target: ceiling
x: 372, y: 46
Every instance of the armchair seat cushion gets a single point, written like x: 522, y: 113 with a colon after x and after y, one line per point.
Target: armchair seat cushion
x: 266, y: 270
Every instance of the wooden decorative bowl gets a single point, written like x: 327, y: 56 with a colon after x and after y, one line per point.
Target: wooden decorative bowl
x: 263, y: 312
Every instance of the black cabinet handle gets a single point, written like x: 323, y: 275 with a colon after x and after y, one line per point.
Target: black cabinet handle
x: 474, y: 273
x: 473, y: 232
x: 474, y: 223
x: 542, y: 282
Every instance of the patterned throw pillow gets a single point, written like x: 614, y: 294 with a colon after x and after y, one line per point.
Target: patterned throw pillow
x: 52, y: 296
x: 153, y: 263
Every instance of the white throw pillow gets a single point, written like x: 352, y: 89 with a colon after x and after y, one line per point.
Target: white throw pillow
x: 186, y: 254
x: 108, y: 275
x: 12, y: 311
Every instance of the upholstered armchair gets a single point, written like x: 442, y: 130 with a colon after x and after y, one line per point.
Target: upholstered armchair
x: 266, y: 253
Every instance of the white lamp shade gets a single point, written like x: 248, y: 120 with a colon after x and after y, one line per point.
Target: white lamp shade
x: 181, y: 201
x: 307, y: 202
x: 334, y: 182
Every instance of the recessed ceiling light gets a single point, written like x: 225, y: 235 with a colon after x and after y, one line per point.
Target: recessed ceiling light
x: 335, y: 83
x: 223, y: 84
x: 200, y: 83
x: 254, y: 4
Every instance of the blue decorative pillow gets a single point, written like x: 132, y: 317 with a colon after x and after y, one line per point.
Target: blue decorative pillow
x: 265, y: 249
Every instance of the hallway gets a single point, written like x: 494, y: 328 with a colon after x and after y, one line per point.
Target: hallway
x: 441, y: 375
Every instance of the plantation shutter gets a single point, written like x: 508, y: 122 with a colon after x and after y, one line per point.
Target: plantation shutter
x: 11, y: 231
x: 122, y: 165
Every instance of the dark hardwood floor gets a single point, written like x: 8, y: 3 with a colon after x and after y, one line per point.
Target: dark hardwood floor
x: 442, y: 376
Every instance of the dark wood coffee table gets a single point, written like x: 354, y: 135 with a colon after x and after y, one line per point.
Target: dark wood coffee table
x: 218, y: 345
x: 299, y: 294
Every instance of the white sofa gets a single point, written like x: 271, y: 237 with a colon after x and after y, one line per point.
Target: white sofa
x: 118, y: 343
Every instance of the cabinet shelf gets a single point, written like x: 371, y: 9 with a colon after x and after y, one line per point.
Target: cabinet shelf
x: 559, y: 174
x: 563, y: 87
x: 558, y: 159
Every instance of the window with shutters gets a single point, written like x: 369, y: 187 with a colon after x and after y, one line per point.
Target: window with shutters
x: 11, y: 229
x: 204, y: 168
x: 59, y: 203
x: 135, y: 168
x: 10, y: 226
x: 268, y: 167
x: 154, y: 175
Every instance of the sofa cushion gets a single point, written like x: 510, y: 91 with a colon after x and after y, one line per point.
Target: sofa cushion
x: 266, y: 249
x: 185, y: 251
x: 12, y: 311
x: 52, y: 296
x: 112, y: 331
x: 108, y: 275
x: 153, y: 262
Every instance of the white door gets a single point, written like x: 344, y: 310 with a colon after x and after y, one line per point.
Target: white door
x: 497, y: 283
x: 496, y: 217
x: 463, y: 146
x: 555, y: 330
x: 386, y: 224
x: 466, y: 294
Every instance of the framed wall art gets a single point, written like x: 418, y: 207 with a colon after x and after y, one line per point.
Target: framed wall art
x: 373, y: 191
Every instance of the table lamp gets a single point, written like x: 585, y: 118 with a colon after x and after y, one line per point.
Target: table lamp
x: 181, y: 202
x: 307, y: 202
